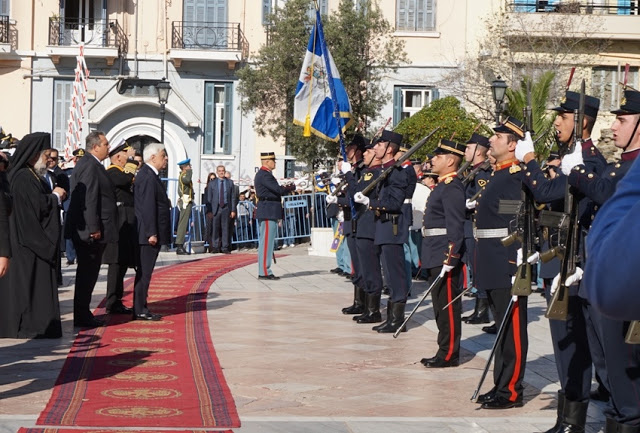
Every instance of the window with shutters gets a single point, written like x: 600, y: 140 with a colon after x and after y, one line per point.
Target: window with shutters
x: 415, y: 15
x: 408, y: 100
x: 4, y: 7
x: 605, y: 85
x: 205, y: 11
x: 218, y: 118
x: 62, y: 92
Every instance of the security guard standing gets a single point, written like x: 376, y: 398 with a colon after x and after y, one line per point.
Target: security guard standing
x: 390, y: 235
x: 125, y: 253
x: 443, y: 236
x: 496, y: 265
x: 185, y: 203
x: 572, y: 345
x: 268, y: 212
x: 476, y: 154
x: 621, y: 360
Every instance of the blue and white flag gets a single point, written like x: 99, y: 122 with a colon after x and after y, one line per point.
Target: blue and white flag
x: 319, y: 87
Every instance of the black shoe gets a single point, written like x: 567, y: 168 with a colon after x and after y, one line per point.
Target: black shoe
x: 486, y: 398
x: 90, y: 322
x: 181, y: 252
x: 268, y: 277
x: 120, y: 309
x: 226, y: 252
x: 214, y: 251
x: 425, y: 361
x: 492, y: 329
x: 147, y: 316
x: 336, y: 270
x: 502, y: 403
x: 441, y: 363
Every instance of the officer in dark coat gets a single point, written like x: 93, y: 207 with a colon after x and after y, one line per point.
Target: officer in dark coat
x: 496, y: 265
x: 153, y: 215
x: 391, y: 230
x: 407, y: 209
x: 476, y: 154
x: 123, y: 254
x: 92, y: 223
x: 269, y: 211
x: 442, y: 249
x: 621, y: 360
x: 572, y: 343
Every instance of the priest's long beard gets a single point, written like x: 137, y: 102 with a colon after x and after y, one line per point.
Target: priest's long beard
x: 40, y: 167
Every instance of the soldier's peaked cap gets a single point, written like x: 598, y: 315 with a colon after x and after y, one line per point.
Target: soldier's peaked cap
x: 448, y: 146
x: 629, y: 104
x: 360, y: 142
x: 390, y: 136
x: 511, y: 125
x: 571, y: 102
x: 478, y: 139
x: 267, y: 155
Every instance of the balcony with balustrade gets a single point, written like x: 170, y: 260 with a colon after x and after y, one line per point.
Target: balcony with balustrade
x: 101, y: 38
x: 206, y: 42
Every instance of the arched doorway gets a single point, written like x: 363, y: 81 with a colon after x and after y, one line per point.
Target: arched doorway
x: 139, y: 142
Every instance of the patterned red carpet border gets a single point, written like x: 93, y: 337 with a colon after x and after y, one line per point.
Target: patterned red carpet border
x: 82, y: 430
x: 150, y: 374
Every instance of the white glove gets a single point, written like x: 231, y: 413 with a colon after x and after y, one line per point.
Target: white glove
x: 331, y: 199
x: 524, y: 146
x: 361, y: 198
x: 346, y: 168
x: 519, y: 257
x: 572, y: 159
x: 336, y: 180
x: 471, y: 204
x: 445, y: 270
x: 533, y: 258
x: 574, y: 278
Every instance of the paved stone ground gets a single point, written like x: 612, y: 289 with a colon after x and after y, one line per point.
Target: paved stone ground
x: 294, y: 363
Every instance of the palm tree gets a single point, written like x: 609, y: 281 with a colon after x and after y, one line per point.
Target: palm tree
x: 543, y: 132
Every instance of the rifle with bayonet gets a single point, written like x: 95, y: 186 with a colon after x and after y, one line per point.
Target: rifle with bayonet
x: 525, y: 229
x: 408, y: 154
x: 568, y: 227
x: 472, y: 174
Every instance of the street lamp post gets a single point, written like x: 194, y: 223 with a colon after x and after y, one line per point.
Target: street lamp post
x: 498, y: 89
x: 163, y: 88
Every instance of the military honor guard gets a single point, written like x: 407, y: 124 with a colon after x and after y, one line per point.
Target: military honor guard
x: 621, y: 360
x: 476, y: 154
x: 269, y: 211
x: 496, y: 265
x: 407, y: 210
x: 571, y: 343
x: 442, y: 248
x: 185, y: 203
x: 391, y: 230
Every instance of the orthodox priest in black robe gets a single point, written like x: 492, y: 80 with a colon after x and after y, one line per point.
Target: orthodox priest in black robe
x: 29, y: 293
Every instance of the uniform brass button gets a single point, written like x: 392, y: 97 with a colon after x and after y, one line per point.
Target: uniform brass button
x: 583, y: 171
x: 617, y: 165
x: 613, y: 173
x: 535, y: 182
x: 590, y: 175
x: 528, y: 173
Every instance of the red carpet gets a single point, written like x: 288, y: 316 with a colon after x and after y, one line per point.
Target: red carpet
x: 84, y: 430
x: 150, y: 374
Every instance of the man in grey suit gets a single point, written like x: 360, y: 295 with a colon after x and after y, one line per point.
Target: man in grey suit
x: 92, y: 222
x: 223, y: 206
x: 153, y: 213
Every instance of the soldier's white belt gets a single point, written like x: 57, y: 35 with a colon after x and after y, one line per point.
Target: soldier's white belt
x: 490, y: 233
x: 407, y: 201
x: 433, y: 232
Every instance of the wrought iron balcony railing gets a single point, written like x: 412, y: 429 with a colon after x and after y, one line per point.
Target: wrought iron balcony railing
x: 93, y: 33
x: 604, y: 7
x: 4, y: 29
x: 209, y: 36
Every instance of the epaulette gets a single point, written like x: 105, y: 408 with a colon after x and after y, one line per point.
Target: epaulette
x: 514, y: 169
x: 448, y: 180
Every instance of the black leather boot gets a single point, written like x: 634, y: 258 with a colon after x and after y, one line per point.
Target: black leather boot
x: 387, y: 320
x: 556, y: 428
x: 371, y: 309
x: 481, y: 313
x: 473, y: 315
x: 613, y: 426
x: 358, y: 302
x: 397, y: 318
x: 574, y: 417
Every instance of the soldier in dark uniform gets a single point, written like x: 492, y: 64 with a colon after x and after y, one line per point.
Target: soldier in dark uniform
x: 496, y: 265
x: 368, y: 252
x: 351, y: 171
x: 185, y: 203
x: 269, y: 211
x: 124, y: 253
x: 391, y: 230
x: 476, y: 154
x: 442, y: 248
x: 621, y: 360
x: 407, y: 209
x: 572, y: 344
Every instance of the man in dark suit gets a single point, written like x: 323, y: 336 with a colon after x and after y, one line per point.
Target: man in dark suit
x: 153, y: 214
x: 223, y: 202
x: 91, y: 223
